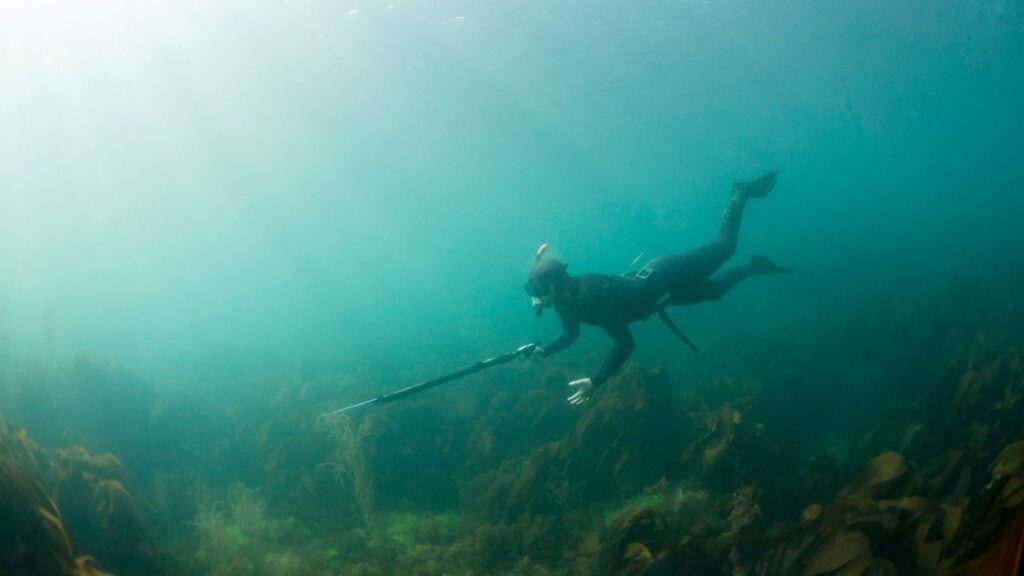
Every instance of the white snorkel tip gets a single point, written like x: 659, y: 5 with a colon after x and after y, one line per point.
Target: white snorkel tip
x: 540, y: 251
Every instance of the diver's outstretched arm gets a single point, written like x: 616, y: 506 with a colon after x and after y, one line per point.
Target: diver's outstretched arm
x: 623, y: 347
x: 570, y: 332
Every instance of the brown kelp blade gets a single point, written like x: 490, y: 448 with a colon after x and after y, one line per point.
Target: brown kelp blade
x: 1005, y: 557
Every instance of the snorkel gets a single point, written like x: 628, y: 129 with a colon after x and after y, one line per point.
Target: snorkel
x: 538, y: 302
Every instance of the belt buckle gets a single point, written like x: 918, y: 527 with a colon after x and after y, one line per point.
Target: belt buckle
x: 644, y: 273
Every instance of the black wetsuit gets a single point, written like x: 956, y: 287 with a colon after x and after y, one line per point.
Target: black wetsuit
x: 614, y: 302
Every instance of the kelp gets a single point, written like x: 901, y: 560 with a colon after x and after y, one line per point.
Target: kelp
x: 514, y: 422
x: 347, y: 465
x: 18, y: 448
x: 33, y: 541
x: 87, y: 566
x: 982, y: 408
x: 958, y: 514
x: 618, y: 445
x: 509, y: 479
x: 636, y: 540
x: 102, y: 513
x: 995, y: 542
x: 874, y: 526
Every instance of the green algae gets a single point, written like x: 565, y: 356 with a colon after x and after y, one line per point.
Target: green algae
x: 610, y: 513
x: 409, y: 528
x: 238, y: 536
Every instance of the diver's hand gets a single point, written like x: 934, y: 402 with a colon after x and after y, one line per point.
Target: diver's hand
x: 584, y: 388
x: 530, y: 352
x: 537, y: 355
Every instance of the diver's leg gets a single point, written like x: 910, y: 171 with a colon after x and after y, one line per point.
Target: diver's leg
x: 716, y: 287
x: 711, y: 288
x: 729, y: 229
x: 690, y: 268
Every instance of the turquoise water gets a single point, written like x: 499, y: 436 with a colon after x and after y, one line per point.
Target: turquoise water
x: 325, y: 180
x: 228, y: 201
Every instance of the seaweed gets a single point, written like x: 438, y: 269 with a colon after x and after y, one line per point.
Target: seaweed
x: 348, y: 465
x: 105, y: 517
x: 33, y: 539
x: 736, y: 473
x: 235, y: 536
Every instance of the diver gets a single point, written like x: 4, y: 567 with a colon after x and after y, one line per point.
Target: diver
x: 615, y: 302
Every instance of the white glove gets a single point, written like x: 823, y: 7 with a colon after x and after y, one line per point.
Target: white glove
x: 584, y: 388
x: 537, y: 355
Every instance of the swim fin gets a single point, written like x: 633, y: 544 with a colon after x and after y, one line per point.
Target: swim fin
x: 757, y: 188
x: 765, y: 265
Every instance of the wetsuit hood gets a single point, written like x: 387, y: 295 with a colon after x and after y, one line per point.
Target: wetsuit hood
x: 548, y: 270
x: 543, y: 281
